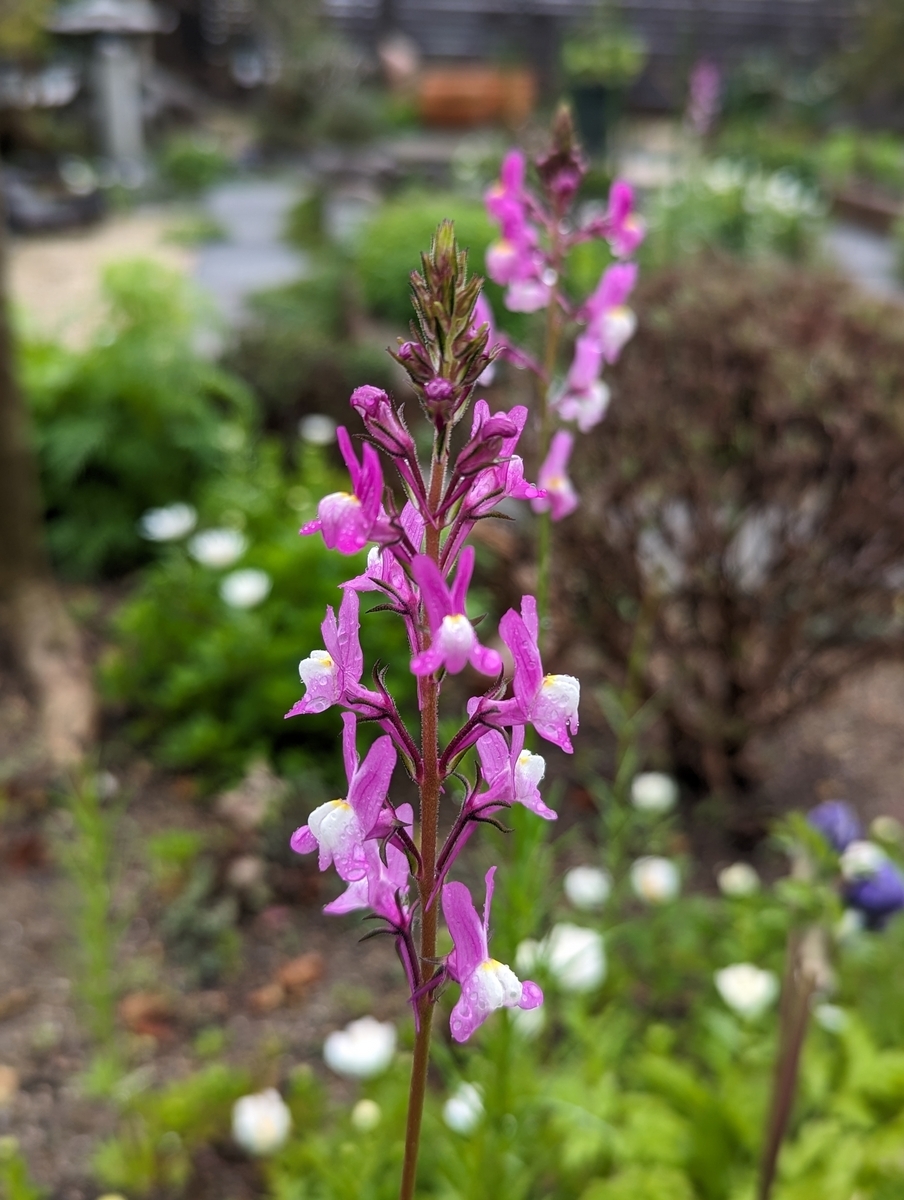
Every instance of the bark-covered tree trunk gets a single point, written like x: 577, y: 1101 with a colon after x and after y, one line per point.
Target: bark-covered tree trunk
x: 46, y: 645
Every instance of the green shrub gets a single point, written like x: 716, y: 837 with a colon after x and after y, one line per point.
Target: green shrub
x: 391, y: 243
x: 136, y: 420
x: 727, y: 207
x: 205, y: 685
x: 191, y: 163
x: 297, y: 354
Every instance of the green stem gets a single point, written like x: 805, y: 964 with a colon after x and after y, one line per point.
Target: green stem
x: 795, y: 1015
x: 430, y: 792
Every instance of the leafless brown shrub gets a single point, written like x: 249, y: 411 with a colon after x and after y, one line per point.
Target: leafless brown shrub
x: 749, y: 484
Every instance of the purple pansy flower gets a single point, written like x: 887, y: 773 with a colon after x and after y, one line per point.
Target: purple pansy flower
x: 878, y: 895
x: 454, y: 642
x: 339, y: 829
x: 837, y: 822
x: 560, y: 497
x: 485, y: 983
x: 349, y: 520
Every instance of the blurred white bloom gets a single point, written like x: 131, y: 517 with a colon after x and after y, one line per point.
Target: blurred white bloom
x: 861, y: 860
x: 528, y: 1022
x: 362, y: 1049
x: 851, y: 925
x: 740, y: 879
x: 317, y: 430
x: 654, y: 879
x: 217, y: 547
x: 587, y: 888
x: 887, y: 829
x: 574, y: 956
x: 366, y: 1115
x: 245, y: 589
x: 261, y: 1122
x: 527, y: 955
x: 464, y: 1108
x: 107, y: 785
x: 746, y: 988
x: 831, y: 1017
x: 723, y: 176
x: 167, y: 524
x: 654, y: 792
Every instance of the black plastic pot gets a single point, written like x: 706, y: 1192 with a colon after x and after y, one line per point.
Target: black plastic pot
x: 595, y: 107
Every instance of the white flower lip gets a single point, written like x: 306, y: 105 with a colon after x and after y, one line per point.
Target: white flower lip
x: 261, y: 1122
x: 217, y: 547
x: 464, y: 1108
x: 746, y: 988
x: 654, y: 792
x: 245, y: 589
x: 654, y: 879
x: 738, y: 879
x: 587, y: 888
x: 167, y: 524
x: 363, y: 1049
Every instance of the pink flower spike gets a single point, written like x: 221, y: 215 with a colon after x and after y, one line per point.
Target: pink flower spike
x: 561, y: 498
x: 330, y: 674
x: 347, y: 520
x: 454, y: 642
x: 548, y: 702
x: 485, y: 983
x: 340, y: 828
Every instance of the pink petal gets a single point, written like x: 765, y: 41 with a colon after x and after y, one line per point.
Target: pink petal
x: 466, y: 929
x: 531, y: 995
x: 303, y: 841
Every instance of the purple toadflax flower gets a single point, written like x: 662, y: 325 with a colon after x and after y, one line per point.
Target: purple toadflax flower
x: 454, y: 642
x: 339, y: 829
x: 560, y: 498
x: 548, y: 702
x: 331, y: 676
x: 512, y: 774
x: 349, y: 520
x: 485, y: 983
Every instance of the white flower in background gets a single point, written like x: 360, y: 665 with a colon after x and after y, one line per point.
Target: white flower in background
x: 587, y: 888
x: 464, y: 1108
x: 261, y: 1122
x: 217, y: 547
x: 362, y: 1049
x: 245, y: 589
x: 851, y: 925
x: 527, y: 956
x: 168, y: 524
x: 887, y: 829
x: 317, y: 429
x: 575, y: 957
x: 740, y: 879
x: 746, y: 988
x: 366, y: 1115
x: 654, y: 879
x: 107, y: 785
x: 861, y: 860
x: 654, y: 792
x: 528, y: 1022
x: 831, y: 1017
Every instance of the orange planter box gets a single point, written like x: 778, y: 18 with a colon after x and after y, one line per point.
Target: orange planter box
x: 461, y: 97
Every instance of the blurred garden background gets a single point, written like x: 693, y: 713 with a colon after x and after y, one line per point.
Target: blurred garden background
x: 212, y: 209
